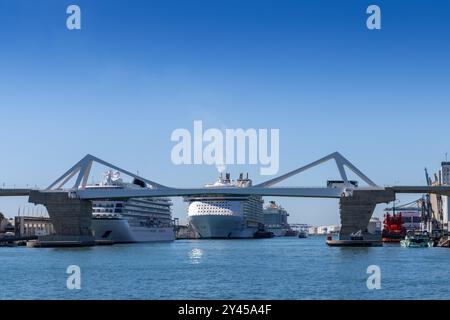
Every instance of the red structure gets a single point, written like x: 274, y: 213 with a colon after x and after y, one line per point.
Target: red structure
x: 393, y: 230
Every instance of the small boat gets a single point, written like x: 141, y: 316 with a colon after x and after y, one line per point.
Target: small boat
x: 290, y: 233
x: 302, y: 234
x: 417, y: 240
x: 261, y: 234
x: 357, y: 236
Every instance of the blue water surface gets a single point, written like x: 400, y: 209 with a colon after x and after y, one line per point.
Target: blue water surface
x: 279, y: 268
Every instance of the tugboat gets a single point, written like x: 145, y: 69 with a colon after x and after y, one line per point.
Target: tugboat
x: 393, y: 229
x: 417, y: 240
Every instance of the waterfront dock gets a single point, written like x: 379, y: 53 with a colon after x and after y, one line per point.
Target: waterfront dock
x: 54, y: 241
x: 354, y: 243
x: 8, y: 241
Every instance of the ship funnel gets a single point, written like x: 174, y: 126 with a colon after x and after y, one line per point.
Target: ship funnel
x: 139, y: 182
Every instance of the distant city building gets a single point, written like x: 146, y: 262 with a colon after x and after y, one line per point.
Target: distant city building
x: 334, y: 229
x: 5, y: 224
x: 312, y: 230
x: 32, y: 226
x: 322, y: 230
x: 440, y: 204
x: 445, y: 172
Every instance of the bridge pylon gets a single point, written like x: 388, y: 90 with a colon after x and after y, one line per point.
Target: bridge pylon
x: 83, y: 169
x: 341, y: 163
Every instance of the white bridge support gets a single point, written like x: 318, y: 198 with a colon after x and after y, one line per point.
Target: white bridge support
x: 341, y: 163
x: 83, y: 169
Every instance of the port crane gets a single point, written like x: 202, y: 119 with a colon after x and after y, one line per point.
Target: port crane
x: 427, y: 210
x: 430, y: 218
x: 424, y: 203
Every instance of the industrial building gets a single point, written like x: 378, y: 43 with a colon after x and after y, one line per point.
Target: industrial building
x: 33, y: 226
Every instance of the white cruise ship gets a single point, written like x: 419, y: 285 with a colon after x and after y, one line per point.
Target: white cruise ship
x: 132, y: 220
x: 226, y: 216
x: 276, y: 219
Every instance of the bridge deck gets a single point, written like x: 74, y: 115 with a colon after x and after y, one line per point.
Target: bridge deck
x: 14, y: 192
x: 442, y: 190
x: 172, y: 192
x: 309, y: 192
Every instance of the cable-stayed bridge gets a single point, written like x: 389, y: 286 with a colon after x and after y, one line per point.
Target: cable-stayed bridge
x: 70, y: 208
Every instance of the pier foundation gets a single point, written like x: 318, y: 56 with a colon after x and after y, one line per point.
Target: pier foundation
x: 357, y: 209
x: 71, y: 219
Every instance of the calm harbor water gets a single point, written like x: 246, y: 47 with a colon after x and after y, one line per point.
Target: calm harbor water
x: 279, y: 268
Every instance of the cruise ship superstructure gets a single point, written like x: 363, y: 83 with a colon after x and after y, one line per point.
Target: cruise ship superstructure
x: 131, y: 220
x: 276, y: 219
x: 226, y: 216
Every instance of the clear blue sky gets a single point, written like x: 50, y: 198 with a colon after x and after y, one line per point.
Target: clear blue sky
x: 140, y: 69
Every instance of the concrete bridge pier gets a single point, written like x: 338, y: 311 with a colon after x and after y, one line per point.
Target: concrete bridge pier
x: 357, y: 209
x: 71, y: 219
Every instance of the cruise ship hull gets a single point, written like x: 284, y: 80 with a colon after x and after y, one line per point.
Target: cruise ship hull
x: 119, y: 231
x: 221, y: 227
